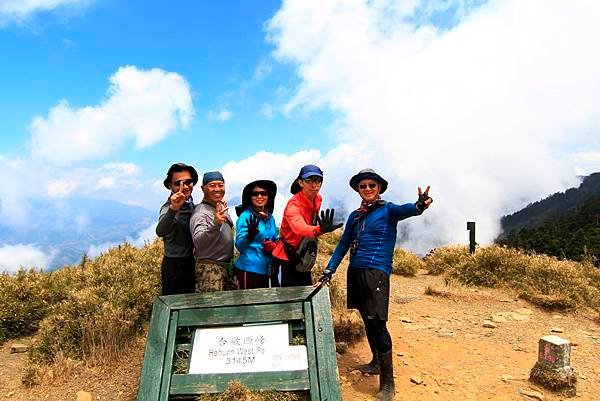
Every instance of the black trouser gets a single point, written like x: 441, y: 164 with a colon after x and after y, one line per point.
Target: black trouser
x: 250, y: 280
x: 377, y: 334
x: 285, y: 275
x: 368, y: 291
x: 178, y: 275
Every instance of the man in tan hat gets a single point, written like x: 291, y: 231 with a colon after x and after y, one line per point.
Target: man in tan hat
x: 177, y: 269
x: 370, y: 236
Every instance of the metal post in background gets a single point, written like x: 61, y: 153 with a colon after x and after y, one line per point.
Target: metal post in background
x: 472, y: 243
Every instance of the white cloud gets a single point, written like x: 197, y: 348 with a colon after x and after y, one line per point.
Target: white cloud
x: 586, y: 162
x: 283, y: 169
x: 146, y: 235
x: 488, y: 110
x: 13, y: 257
x: 121, y: 168
x: 60, y: 188
x: 19, y: 183
x: 220, y: 116
x: 106, y: 183
x: 144, y: 105
x: 96, y: 250
x: 21, y: 10
x: 268, y: 111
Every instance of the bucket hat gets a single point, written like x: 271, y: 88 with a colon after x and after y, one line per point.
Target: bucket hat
x: 368, y: 173
x: 271, y: 188
x: 177, y: 168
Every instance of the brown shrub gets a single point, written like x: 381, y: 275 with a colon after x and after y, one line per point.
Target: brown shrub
x: 543, y: 280
x: 104, y: 309
x: 440, y: 260
x: 238, y: 392
x: 406, y: 263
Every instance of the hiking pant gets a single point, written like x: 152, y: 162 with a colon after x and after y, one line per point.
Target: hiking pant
x: 177, y: 275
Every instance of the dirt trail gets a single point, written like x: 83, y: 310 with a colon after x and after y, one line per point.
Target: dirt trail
x: 442, y: 341
x: 439, y: 339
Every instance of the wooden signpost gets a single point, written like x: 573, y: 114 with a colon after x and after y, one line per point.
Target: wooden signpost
x: 268, y: 339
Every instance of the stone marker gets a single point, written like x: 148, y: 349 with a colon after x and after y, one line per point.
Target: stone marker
x: 553, y: 368
x: 18, y: 348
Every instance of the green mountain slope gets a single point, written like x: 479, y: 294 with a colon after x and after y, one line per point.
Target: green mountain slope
x: 566, y: 225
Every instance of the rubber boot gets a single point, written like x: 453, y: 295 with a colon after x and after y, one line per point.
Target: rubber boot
x: 386, y: 377
x: 371, y: 368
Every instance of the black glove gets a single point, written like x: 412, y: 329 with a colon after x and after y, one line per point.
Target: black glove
x: 325, y: 277
x: 252, y: 227
x: 325, y: 221
x: 420, y: 204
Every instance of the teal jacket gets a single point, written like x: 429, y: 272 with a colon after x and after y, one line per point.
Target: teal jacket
x: 252, y: 257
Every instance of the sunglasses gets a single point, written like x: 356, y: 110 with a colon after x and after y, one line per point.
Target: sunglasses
x: 370, y: 185
x: 187, y: 182
x: 313, y: 180
x: 260, y: 193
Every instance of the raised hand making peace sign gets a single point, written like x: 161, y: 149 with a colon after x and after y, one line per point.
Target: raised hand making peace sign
x: 221, y: 212
x: 424, y: 200
x: 178, y: 198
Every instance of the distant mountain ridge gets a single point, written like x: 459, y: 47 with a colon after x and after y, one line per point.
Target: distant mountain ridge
x: 554, y: 206
x: 68, y: 227
x: 566, y: 225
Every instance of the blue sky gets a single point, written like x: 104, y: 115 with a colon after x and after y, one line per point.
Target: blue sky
x: 218, y: 47
x: 493, y: 103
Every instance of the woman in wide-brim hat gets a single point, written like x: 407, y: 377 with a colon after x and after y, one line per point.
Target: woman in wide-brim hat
x: 177, y: 269
x: 256, y: 234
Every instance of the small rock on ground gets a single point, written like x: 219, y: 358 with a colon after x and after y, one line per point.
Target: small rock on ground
x: 18, y: 348
x: 84, y: 396
x: 532, y: 394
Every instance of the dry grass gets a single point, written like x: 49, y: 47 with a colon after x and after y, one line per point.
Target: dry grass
x: 441, y: 260
x: 238, y: 392
x: 92, y: 312
x: 103, y: 309
x: 406, y: 263
x: 26, y: 298
x: 328, y: 242
x: 556, y: 381
x: 541, y: 279
x: 347, y: 324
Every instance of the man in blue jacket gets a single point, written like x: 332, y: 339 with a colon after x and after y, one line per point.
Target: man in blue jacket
x: 370, y: 235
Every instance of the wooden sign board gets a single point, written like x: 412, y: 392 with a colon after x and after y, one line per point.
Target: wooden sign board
x: 268, y: 339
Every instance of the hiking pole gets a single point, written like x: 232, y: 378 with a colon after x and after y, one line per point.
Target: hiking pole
x: 323, y: 281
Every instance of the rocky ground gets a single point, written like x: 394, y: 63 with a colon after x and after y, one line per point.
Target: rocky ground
x: 460, y: 344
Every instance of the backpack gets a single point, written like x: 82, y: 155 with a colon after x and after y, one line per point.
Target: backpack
x: 303, y: 258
